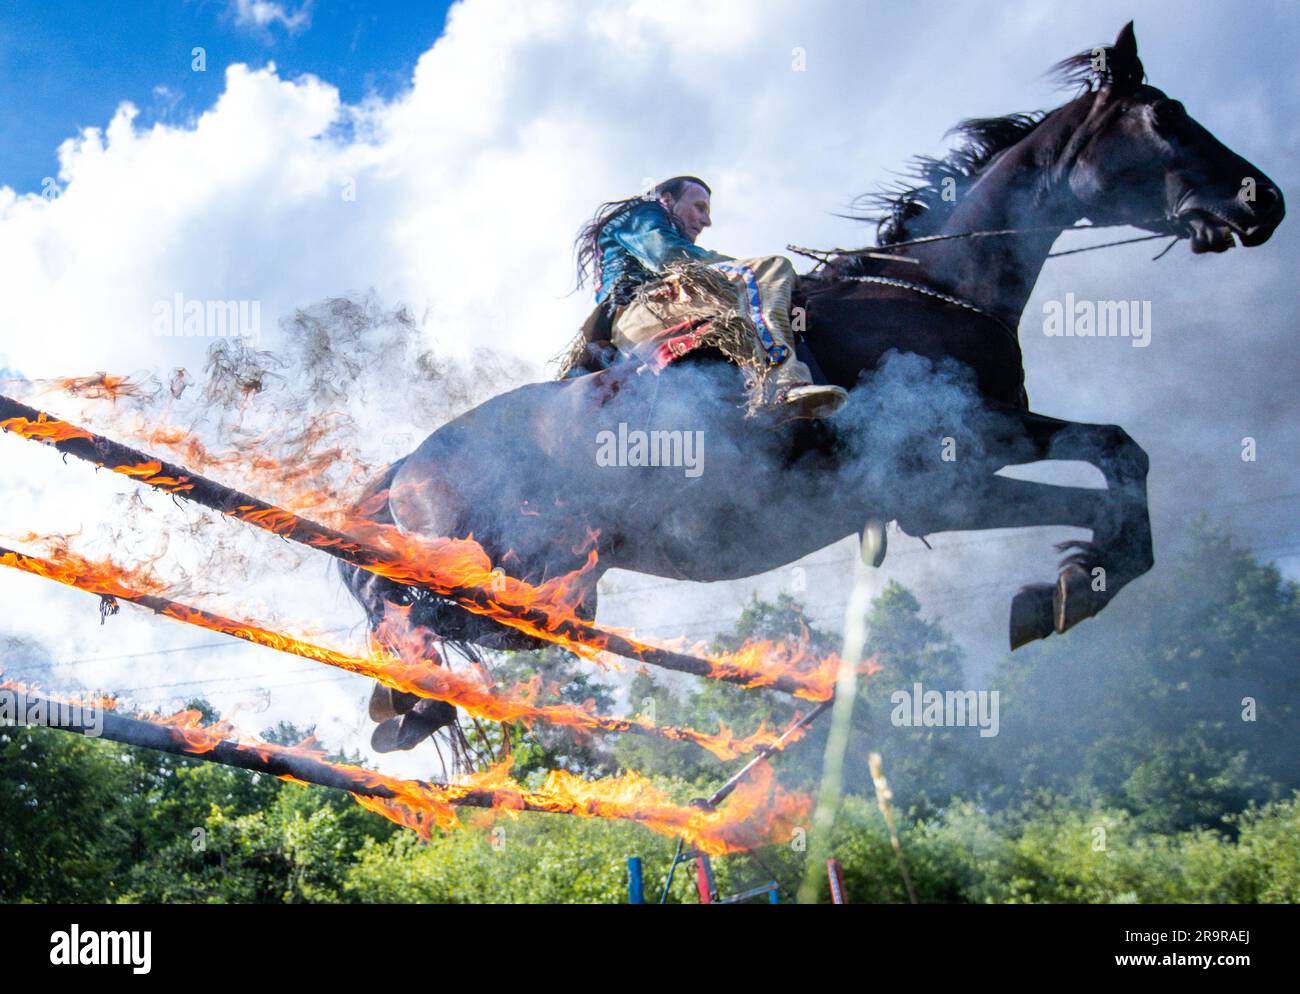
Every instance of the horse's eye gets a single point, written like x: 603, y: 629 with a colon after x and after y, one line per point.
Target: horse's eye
x: 1168, y: 115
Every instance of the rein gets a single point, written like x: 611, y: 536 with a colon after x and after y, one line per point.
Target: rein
x: 881, y: 252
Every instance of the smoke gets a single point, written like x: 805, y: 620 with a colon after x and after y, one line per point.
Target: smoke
x: 308, y: 426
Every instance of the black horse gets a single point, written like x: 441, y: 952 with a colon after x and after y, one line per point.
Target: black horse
x: 937, y: 406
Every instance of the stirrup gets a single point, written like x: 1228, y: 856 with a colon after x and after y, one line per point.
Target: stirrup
x: 806, y: 400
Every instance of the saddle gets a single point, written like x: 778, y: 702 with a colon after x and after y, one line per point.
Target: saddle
x: 595, y: 350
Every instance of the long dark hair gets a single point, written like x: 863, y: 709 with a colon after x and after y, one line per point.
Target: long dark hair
x: 585, y: 246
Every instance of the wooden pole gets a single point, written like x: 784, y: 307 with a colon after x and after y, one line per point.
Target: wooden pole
x: 429, y: 681
x: 276, y: 761
x: 176, y: 480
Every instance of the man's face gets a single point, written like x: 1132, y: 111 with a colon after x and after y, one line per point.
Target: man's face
x: 691, y: 209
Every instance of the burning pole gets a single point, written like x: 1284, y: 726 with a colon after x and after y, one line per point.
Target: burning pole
x: 762, y: 816
x: 277, y: 761
x: 424, y: 679
x: 792, y: 734
x: 567, y: 630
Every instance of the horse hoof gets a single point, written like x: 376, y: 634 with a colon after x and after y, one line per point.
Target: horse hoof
x: 385, y: 702
x: 874, y: 542
x: 384, y: 737
x: 422, y: 721
x: 410, y: 729
x: 1031, y: 614
x: 1072, y: 598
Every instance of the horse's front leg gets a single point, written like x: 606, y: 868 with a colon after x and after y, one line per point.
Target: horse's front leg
x: 1120, y: 550
x: 990, y: 501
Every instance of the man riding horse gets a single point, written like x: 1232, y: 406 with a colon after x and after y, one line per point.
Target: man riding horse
x: 659, y: 296
x: 931, y: 348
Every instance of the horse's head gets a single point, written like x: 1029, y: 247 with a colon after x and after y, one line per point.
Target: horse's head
x: 1138, y: 155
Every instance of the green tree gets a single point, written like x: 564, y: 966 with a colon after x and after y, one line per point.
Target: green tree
x: 561, y: 678
x: 1178, y: 704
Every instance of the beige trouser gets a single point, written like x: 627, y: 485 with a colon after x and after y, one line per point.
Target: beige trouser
x: 763, y: 287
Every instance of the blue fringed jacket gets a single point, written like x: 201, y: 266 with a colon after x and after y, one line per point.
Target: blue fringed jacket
x: 637, y: 245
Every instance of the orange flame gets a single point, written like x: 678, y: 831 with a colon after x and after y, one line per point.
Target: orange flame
x: 284, y: 463
x: 758, y: 812
x: 454, y: 566
x: 402, y: 660
x: 461, y: 569
x: 100, y: 386
x: 106, y: 578
x: 44, y: 429
x: 102, y: 702
x: 403, y: 657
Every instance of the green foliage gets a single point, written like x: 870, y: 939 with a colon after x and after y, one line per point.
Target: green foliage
x: 534, y: 859
x: 58, y: 840
x: 561, y: 678
x: 1149, y: 706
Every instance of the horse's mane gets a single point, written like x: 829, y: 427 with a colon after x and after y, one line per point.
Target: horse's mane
x: 917, y: 206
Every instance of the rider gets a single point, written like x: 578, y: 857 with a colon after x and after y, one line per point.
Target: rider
x: 633, y: 243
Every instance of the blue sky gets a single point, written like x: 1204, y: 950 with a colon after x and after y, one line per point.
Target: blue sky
x: 65, y: 66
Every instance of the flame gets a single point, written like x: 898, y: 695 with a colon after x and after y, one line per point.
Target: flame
x: 284, y: 463
x: 100, y: 386
x: 760, y: 662
x: 198, y: 740
x: 402, y: 656
x: 44, y: 429
x: 283, y: 467
x: 461, y: 569
x: 759, y: 812
x: 101, y: 702
x: 104, y: 578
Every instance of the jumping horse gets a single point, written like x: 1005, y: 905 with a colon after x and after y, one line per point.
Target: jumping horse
x: 928, y: 349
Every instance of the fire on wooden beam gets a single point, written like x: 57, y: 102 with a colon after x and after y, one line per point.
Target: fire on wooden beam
x: 459, y: 569
x: 758, y: 812
x: 398, y: 659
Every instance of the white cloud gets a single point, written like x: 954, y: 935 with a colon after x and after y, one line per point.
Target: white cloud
x: 264, y: 13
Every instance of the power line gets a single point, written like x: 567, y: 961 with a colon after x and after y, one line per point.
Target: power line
x: 88, y: 660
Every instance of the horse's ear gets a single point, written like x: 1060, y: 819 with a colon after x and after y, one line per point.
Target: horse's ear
x: 1126, y: 70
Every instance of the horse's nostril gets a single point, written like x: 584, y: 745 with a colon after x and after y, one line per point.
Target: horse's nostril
x: 1265, y: 200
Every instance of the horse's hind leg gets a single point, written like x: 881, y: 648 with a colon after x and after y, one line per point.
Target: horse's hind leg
x: 404, y: 720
